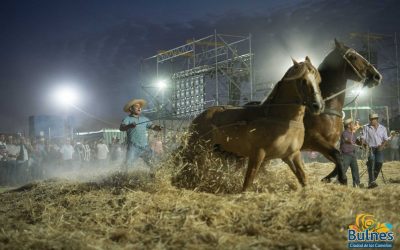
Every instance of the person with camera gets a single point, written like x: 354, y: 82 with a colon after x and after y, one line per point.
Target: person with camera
x: 374, y: 136
x: 136, y: 126
x: 348, y: 150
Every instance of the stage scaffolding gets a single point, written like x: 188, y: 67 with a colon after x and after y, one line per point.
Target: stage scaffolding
x: 213, y: 70
x: 382, y: 51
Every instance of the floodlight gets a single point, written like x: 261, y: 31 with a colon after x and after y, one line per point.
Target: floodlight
x: 66, y: 95
x: 161, y: 84
x: 358, y: 91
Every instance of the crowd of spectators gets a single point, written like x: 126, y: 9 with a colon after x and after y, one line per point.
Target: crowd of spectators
x: 23, y: 159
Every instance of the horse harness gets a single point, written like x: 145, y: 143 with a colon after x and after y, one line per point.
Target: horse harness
x: 362, y: 78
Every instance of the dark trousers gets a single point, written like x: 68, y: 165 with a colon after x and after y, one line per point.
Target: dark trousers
x: 12, y: 172
x: 374, y: 164
x: 351, y: 160
x: 3, y: 172
x: 22, y: 171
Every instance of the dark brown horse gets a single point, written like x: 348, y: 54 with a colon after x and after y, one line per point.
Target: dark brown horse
x: 323, y: 131
x: 271, y: 130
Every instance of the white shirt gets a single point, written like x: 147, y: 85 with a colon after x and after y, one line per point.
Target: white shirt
x: 374, y: 137
x: 102, y: 151
x: 25, y: 155
x: 3, y: 149
x: 13, y: 150
x: 67, y: 151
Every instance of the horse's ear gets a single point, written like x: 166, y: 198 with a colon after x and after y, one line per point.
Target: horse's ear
x: 338, y: 44
x: 294, y: 62
x: 308, y: 59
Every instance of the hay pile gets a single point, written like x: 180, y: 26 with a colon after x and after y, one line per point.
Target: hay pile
x: 144, y: 210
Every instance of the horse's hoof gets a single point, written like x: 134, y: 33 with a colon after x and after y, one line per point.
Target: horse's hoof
x: 343, y: 182
x: 326, y: 180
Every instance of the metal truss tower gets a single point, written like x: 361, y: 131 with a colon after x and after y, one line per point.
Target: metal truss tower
x: 382, y: 51
x: 213, y: 70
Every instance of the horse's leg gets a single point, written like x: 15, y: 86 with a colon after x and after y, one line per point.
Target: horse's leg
x: 334, y: 155
x: 263, y: 166
x: 297, y: 166
x: 252, y: 167
x: 338, y: 170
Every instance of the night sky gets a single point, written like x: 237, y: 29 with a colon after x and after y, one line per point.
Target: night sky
x: 97, y: 45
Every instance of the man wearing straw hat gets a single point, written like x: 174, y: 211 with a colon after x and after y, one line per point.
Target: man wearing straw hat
x: 374, y: 136
x: 348, y: 149
x: 136, y: 126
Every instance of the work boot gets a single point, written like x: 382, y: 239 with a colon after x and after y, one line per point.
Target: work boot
x: 372, y: 185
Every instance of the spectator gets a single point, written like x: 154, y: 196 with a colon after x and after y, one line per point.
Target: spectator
x: 3, y: 147
x: 87, y: 155
x: 67, y: 153
x: 102, y: 153
x: 80, y: 153
x: 12, y: 154
x: 3, y: 159
x: 22, y: 170
x: 116, y: 150
x: 394, y: 146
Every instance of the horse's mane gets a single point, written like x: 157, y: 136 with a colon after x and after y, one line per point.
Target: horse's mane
x: 293, y: 72
x: 272, y: 95
x: 333, y: 59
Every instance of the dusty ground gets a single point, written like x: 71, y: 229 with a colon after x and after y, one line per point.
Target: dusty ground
x: 144, y: 211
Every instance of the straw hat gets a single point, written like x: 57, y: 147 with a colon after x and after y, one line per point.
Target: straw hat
x: 347, y: 121
x: 373, y: 116
x: 132, y: 102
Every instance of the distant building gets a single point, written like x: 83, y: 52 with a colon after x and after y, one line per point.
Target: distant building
x: 107, y: 134
x: 49, y: 126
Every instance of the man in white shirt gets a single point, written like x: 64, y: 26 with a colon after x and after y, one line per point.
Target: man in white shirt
x: 3, y: 147
x: 22, y: 161
x: 374, y: 135
x: 3, y: 160
x: 394, y: 146
x: 102, y: 153
x: 67, y: 152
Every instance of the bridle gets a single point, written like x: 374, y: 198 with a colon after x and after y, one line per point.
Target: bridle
x: 302, y: 91
x: 347, y: 54
x: 349, y: 63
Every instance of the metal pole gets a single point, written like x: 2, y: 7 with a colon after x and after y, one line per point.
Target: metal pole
x: 194, y: 54
x: 369, y: 52
x: 216, y: 68
x: 387, y: 117
x: 251, y: 70
x: 397, y: 73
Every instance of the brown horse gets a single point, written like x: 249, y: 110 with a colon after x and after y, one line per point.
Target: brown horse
x: 323, y: 130
x: 271, y: 130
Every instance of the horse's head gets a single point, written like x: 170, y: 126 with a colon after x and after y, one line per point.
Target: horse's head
x: 307, y: 80
x: 356, y: 67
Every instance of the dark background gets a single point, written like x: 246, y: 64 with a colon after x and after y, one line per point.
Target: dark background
x: 98, y: 45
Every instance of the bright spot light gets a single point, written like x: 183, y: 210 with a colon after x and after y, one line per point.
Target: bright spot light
x: 358, y: 91
x: 66, y: 96
x: 161, y: 84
